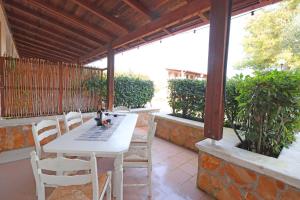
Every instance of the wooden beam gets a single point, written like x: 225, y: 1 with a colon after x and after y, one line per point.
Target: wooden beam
x: 100, y: 32
x: 52, y: 22
x: 110, y: 78
x: 91, y: 8
x: 180, y: 14
x: 58, y: 43
x: 51, y: 33
x: 139, y: 7
x: 220, y: 14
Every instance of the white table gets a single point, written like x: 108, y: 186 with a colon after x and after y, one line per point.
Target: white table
x: 114, y: 147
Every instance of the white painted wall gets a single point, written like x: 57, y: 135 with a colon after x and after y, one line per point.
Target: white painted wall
x: 7, y: 46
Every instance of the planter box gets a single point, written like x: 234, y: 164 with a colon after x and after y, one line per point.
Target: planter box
x: 228, y: 172
x: 179, y: 131
x: 143, y: 115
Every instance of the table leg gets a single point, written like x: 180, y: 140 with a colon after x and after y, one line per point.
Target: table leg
x: 118, y: 178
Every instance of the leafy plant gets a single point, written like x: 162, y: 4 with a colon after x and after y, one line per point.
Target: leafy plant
x: 133, y: 92
x: 130, y: 91
x: 269, y: 110
x: 187, y: 98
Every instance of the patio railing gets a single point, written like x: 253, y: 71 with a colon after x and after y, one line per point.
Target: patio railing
x: 34, y: 87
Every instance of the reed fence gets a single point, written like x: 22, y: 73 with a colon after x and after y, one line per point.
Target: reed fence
x: 34, y: 87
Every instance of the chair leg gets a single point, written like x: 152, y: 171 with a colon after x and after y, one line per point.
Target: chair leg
x: 108, y: 190
x: 149, y: 181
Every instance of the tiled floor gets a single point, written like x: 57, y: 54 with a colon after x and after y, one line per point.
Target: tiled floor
x: 174, y: 176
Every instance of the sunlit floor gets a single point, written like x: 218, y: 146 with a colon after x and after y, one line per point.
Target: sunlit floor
x: 174, y: 176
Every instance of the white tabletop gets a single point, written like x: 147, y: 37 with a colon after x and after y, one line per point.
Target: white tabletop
x: 118, y: 143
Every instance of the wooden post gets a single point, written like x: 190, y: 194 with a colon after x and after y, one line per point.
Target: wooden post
x: 2, y: 106
x: 110, y: 78
x: 220, y: 15
x: 60, y: 90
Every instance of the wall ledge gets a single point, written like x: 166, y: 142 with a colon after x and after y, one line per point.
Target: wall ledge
x: 16, y: 154
x: 285, y: 167
x: 188, y: 122
x: 137, y: 110
x: 30, y: 120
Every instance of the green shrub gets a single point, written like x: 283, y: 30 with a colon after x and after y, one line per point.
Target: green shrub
x: 269, y: 110
x: 133, y: 92
x: 187, y: 98
x: 130, y: 91
x: 231, y: 108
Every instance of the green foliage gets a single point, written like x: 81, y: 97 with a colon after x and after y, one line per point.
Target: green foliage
x: 187, y: 98
x: 130, y: 91
x: 133, y: 92
x: 269, y: 110
x: 273, y: 36
x: 231, y: 104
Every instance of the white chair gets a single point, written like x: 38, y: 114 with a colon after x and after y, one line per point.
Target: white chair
x: 81, y: 186
x: 139, y: 138
x: 72, y: 118
x: 140, y: 156
x: 44, y: 130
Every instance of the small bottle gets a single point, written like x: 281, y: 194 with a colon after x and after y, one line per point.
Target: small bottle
x: 99, y: 116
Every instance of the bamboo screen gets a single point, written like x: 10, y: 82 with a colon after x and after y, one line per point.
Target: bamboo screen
x: 33, y: 87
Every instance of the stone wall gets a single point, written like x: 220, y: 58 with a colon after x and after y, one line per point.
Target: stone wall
x: 20, y: 136
x: 144, y: 115
x: 224, y: 180
x: 179, y: 131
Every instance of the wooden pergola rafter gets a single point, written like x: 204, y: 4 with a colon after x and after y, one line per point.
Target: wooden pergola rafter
x: 86, y: 30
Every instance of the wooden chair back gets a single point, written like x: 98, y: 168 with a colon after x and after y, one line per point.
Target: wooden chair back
x: 64, y: 164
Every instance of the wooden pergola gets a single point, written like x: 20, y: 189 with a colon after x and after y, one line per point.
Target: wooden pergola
x: 83, y: 31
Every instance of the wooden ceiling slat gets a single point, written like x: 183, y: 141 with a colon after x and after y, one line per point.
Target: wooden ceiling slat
x: 22, y: 36
x: 42, y: 48
x: 57, y: 24
x: 29, y: 48
x: 101, y: 14
x: 38, y: 52
x: 26, y: 54
x: 106, y: 35
x: 168, y: 19
x: 46, y: 30
x: 138, y: 6
x: 54, y: 41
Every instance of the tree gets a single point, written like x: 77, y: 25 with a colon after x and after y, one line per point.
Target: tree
x: 273, y: 36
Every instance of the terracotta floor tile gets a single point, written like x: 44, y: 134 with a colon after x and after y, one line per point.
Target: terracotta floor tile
x: 189, y: 168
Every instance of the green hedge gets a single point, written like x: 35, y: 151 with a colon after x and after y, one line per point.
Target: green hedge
x: 133, y: 92
x: 263, y: 109
x: 187, y: 98
x: 130, y: 91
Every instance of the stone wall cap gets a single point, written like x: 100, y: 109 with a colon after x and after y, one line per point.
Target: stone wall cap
x: 137, y: 110
x: 180, y: 120
x: 285, y: 167
x: 30, y: 120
